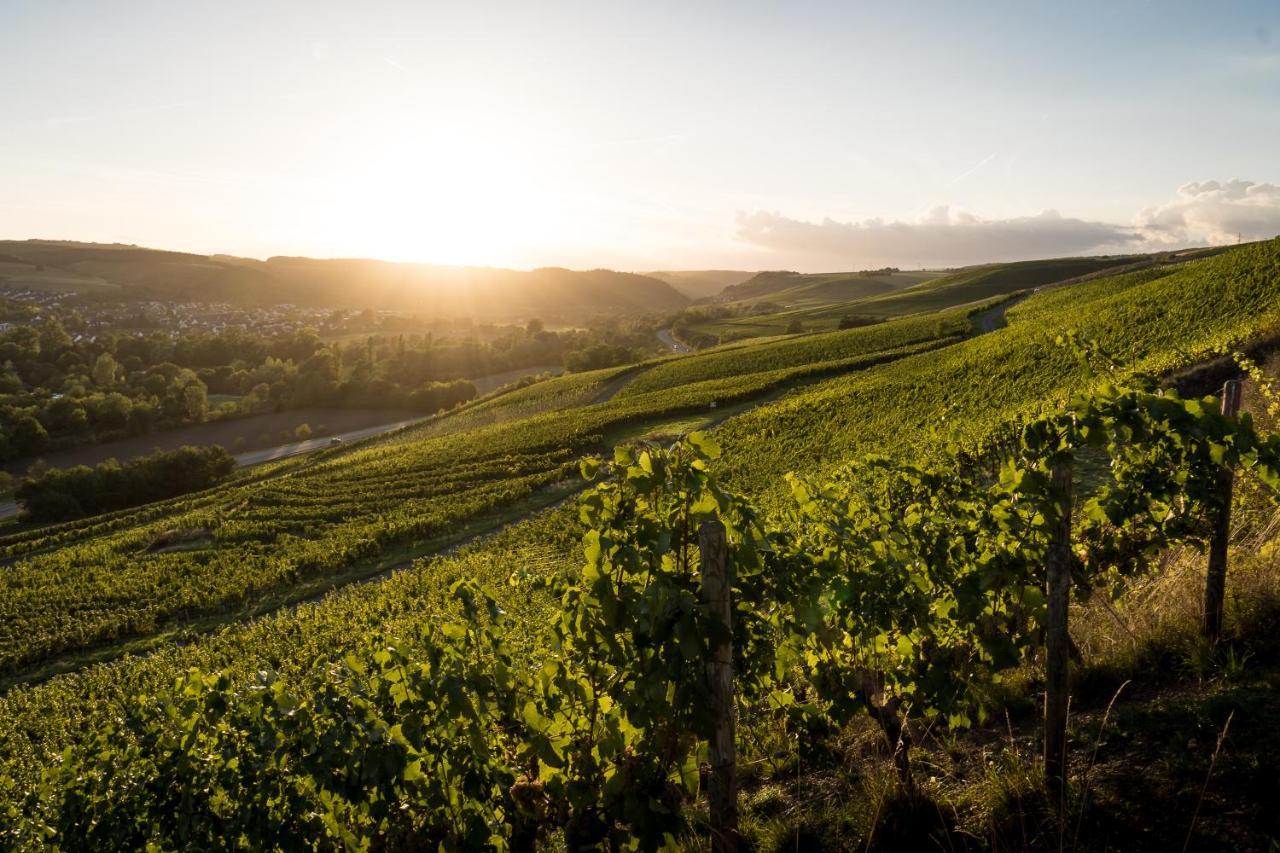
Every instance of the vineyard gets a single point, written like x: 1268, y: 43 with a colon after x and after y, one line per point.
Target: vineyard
x: 505, y: 693
x: 80, y: 587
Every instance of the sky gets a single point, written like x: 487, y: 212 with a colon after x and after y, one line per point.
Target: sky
x: 642, y: 136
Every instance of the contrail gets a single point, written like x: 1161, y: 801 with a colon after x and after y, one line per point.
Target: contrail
x: 969, y: 171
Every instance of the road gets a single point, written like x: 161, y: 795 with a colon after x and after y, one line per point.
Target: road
x: 669, y: 340
x: 8, y: 509
x: 991, y: 319
x: 985, y: 322
x: 284, y: 451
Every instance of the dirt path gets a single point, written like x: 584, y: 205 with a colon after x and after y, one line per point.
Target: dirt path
x: 617, y: 383
x: 993, y: 318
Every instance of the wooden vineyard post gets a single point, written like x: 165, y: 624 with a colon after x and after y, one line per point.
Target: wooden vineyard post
x: 1215, y: 585
x: 722, y: 785
x: 1057, y: 639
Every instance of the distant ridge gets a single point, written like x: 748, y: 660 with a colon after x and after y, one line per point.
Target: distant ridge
x: 785, y: 286
x: 701, y: 284
x: 482, y: 292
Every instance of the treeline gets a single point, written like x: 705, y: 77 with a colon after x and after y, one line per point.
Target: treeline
x: 58, y: 390
x: 61, y: 494
x: 683, y: 323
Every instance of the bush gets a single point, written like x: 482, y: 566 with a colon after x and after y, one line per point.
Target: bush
x: 61, y: 494
x: 434, y: 397
x: 598, y: 357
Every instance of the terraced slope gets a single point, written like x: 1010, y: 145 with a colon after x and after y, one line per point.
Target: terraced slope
x: 974, y: 283
x: 818, y: 302
x: 260, y: 542
x: 909, y: 407
x: 795, y: 289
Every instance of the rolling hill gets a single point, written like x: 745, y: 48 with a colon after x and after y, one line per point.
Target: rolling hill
x: 701, y: 284
x: 771, y: 302
x: 797, y: 289
x: 101, y: 624
x: 552, y: 294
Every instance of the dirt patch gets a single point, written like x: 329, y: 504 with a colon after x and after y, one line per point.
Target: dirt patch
x: 177, y: 540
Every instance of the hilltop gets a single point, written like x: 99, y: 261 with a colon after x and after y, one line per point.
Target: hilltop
x: 486, y: 293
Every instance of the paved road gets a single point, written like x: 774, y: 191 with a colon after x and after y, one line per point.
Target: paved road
x: 9, y: 509
x: 669, y: 340
x: 284, y: 451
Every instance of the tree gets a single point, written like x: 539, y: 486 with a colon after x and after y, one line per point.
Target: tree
x: 53, y: 338
x: 795, y: 327
x: 196, y: 399
x: 29, y: 436
x: 303, y: 432
x: 104, y: 370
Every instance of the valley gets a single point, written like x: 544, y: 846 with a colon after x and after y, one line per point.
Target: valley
x: 300, y: 559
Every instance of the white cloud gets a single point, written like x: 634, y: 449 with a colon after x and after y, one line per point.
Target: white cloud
x: 940, y: 237
x: 1212, y: 212
x: 1203, y: 213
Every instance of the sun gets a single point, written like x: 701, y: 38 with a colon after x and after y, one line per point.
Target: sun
x: 446, y: 194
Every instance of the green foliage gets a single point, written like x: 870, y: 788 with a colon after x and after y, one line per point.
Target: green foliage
x: 61, y: 494
x: 896, y: 590
x: 897, y: 336
x: 392, y: 747
x: 916, y: 407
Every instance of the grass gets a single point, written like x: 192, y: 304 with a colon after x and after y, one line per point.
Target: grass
x: 793, y: 352
x: 50, y: 279
x: 984, y: 282
x: 1183, y: 754
x: 819, y: 302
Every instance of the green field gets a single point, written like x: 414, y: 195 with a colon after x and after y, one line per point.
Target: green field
x: 818, y: 302
x: 26, y: 276
x: 908, y: 388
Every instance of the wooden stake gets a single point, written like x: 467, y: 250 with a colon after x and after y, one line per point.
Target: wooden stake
x: 722, y: 784
x: 1215, y: 586
x: 1057, y: 639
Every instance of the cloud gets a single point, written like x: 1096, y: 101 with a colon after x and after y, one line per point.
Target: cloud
x: 1202, y: 213
x: 940, y: 237
x: 1214, y: 213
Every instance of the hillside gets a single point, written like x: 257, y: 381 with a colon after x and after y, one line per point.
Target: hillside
x: 772, y: 302
x: 484, y: 293
x: 983, y: 282
x: 102, y: 624
x: 701, y: 284
x: 797, y: 289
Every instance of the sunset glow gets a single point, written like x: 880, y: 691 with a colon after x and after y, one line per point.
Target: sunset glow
x: 674, y: 136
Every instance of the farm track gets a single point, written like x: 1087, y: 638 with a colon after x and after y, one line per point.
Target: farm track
x: 617, y: 383
x: 993, y: 318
